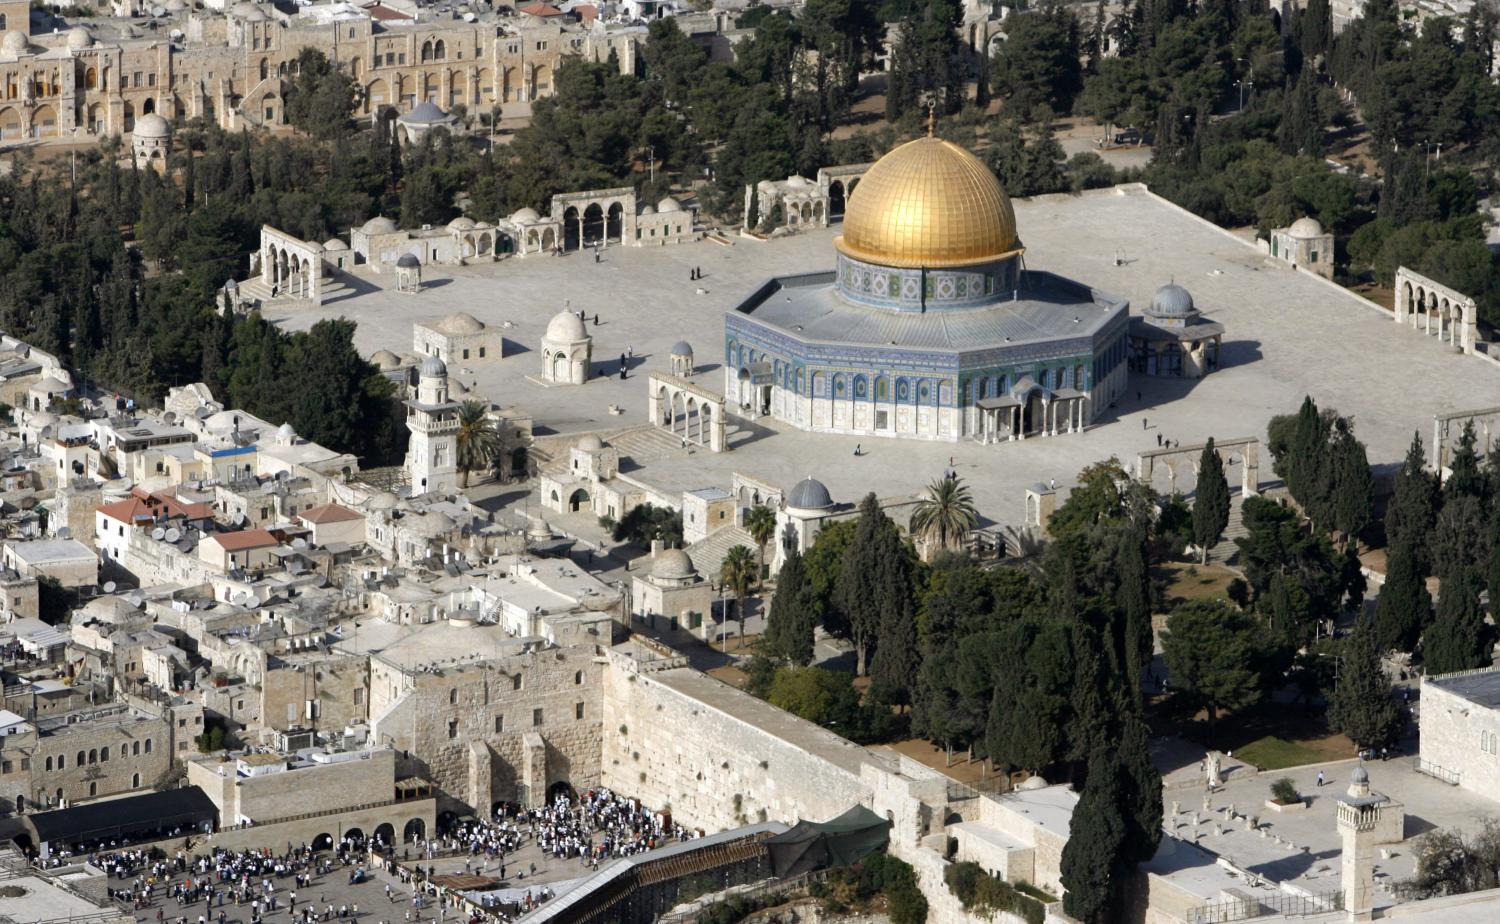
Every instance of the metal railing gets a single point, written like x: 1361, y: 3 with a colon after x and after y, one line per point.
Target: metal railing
x: 1286, y: 904
x: 1451, y: 777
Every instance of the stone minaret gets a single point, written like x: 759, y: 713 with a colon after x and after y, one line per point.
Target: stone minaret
x: 432, y: 450
x: 1359, y: 817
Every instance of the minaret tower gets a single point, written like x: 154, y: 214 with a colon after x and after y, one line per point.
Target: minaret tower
x: 1359, y: 818
x: 432, y: 451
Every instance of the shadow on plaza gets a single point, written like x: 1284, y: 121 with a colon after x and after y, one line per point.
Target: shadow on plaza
x: 610, y: 368
x: 1239, y: 353
x: 509, y: 348
x: 499, y: 501
x: 1283, y: 869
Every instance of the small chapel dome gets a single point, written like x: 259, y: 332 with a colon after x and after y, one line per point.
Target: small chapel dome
x: 591, y: 443
x: 809, y: 494
x: 334, y: 244
x: 14, y: 44
x: 79, y: 38
x: 385, y: 360
x: 461, y: 223
x: 460, y: 322
x: 433, y: 368
x: 378, y: 225
x: 524, y: 215
x: 566, y: 326
x: 1172, y: 301
x: 285, y: 435
x: 669, y: 204
x: 1305, y: 227
x: 1360, y: 775
x: 673, y: 564
x: 152, y: 125
x: 408, y: 261
x: 682, y: 348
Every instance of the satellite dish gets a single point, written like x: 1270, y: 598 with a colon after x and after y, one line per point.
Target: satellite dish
x: 173, y: 534
x: 299, y: 543
x: 158, y: 533
x: 109, y: 587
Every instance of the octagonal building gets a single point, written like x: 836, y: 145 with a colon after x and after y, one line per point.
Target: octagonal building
x: 930, y: 326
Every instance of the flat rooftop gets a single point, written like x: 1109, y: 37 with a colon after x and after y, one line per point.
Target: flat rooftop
x: 1048, y: 308
x: 1480, y: 687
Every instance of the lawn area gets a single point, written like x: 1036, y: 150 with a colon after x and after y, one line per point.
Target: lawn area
x: 1272, y: 753
x: 1190, y: 581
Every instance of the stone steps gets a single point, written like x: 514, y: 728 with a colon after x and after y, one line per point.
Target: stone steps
x: 647, y: 444
x: 708, y: 554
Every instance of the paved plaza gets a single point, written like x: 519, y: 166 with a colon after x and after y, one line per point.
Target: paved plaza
x: 1287, y: 334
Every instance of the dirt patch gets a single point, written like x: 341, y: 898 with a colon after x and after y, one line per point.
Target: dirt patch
x: 976, y: 773
x: 1190, y: 581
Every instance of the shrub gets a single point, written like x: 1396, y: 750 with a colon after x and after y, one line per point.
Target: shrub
x: 983, y: 893
x: 1284, y: 791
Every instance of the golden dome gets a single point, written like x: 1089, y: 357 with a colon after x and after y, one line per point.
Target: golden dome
x: 928, y: 203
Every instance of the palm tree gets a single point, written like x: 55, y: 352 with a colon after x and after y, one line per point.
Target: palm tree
x: 736, y: 573
x: 946, y: 514
x: 760, y: 523
x: 478, y: 440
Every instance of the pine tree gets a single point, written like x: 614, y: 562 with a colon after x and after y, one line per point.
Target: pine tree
x: 1210, y: 501
x: 1465, y: 477
x: 1404, y: 608
x: 1362, y: 706
x: 794, y: 613
x: 1092, y: 857
x: 1306, y: 473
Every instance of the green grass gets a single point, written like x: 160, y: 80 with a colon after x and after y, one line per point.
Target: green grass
x: 1271, y: 753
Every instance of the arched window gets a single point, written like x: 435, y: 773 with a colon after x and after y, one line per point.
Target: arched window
x: 82, y: 758
x: 265, y: 69
x: 439, y: 52
x: 148, y: 745
x: 452, y: 697
x: 426, y: 51
x: 882, y: 388
x: 49, y: 765
x: 577, y: 678
x: 135, y: 748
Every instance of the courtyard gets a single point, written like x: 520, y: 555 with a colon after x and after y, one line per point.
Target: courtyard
x: 1287, y: 334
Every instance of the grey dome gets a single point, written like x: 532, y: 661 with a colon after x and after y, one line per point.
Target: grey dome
x: 591, y: 443
x: 673, y: 564
x: 432, y: 368
x: 385, y: 360
x: 1360, y: 775
x: 1172, y: 301
x: 426, y: 113
x: 408, y: 261
x: 809, y: 494
x: 378, y: 225
x: 682, y: 348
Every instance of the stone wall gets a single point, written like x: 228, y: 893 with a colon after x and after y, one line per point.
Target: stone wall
x: 496, y: 703
x: 139, y: 750
x: 399, y: 816
x: 338, y: 687
x: 1460, y: 736
x: 717, y: 757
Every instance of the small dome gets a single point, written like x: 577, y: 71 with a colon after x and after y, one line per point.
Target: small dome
x: 482, y: 226
x: 14, y: 44
x: 152, y: 125
x: 591, y: 443
x: 673, y: 564
x: 1360, y: 775
x: 425, y: 113
x: 79, y: 38
x: 408, y: 261
x: 566, y: 326
x: 385, y: 360
x: 797, y: 182
x: 285, y: 435
x: 378, y: 225
x: 1305, y: 227
x: 1172, y: 301
x: 433, y: 368
x: 461, y: 223
x: 809, y: 494
x: 438, y: 522
x: 460, y: 323
x: 334, y: 244
x: 669, y: 205
x: 524, y: 215
x: 649, y: 210
x: 682, y: 348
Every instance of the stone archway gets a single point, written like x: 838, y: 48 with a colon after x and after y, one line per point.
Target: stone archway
x: 322, y: 842
x: 385, y: 834
x: 578, y: 500
x: 415, y: 830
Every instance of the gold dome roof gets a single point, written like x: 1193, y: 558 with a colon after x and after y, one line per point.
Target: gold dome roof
x: 928, y: 203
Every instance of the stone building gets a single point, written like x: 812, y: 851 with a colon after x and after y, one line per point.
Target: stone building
x: 1173, y: 338
x: 674, y: 590
x: 930, y: 327
x: 87, y: 754
x: 432, y: 418
x: 1460, y: 729
x: 460, y: 337
x: 1305, y: 244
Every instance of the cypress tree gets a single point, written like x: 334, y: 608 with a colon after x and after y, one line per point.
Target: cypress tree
x: 1458, y: 639
x: 1133, y: 597
x: 1210, y: 502
x: 1349, y: 502
x: 858, y: 591
x: 897, y: 656
x: 1091, y: 859
x: 794, y: 613
x: 1413, y: 507
x: 1404, y: 608
x: 1141, y: 791
x: 1362, y: 707
x: 1306, y: 474
x: 1465, y: 477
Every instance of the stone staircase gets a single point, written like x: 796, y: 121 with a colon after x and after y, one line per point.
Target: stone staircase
x: 1227, y: 552
x: 647, y: 444
x: 708, y: 554
x: 256, y: 292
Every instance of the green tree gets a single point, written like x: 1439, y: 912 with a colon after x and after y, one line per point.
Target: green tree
x: 647, y: 522
x: 794, y: 613
x: 1458, y: 638
x: 1362, y: 706
x: 1410, y: 515
x: 322, y: 98
x: 945, y: 515
x: 1404, y: 608
x: 817, y: 695
x: 874, y: 584
x: 478, y: 442
x: 1213, y: 652
x: 1210, y: 502
x: 1351, y: 484
x: 1039, y: 64
x: 737, y: 574
x: 1092, y: 867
